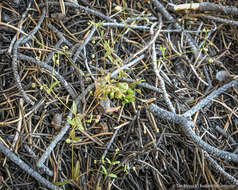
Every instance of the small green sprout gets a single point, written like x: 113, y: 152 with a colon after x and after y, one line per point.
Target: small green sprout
x: 107, y: 162
x: 163, y: 49
x: 76, y: 123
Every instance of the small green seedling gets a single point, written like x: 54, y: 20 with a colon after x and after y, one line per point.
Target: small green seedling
x: 105, y: 162
x: 75, y: 175
x: 76, y: 123
x: 107, y: 166
x: 163, y: 50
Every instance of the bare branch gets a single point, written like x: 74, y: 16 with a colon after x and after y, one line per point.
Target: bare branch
x: 187, y: 127
x: 205, y: 6
x: 26, y: 168
x: 220, y: 169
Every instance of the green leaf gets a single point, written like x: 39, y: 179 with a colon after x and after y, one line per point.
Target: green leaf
x: 112, y: 95
x: 70, y: 121
x: 119, y: 95
x: 53, y: 84
x: 133, y: 85
x: 138, y: 91
x: 76, y: 170
x: 162, y: 49
x: 112, y: 175
x: 79, y: 124
x: 123, y: 86
x: 115, y: 162
x: 103, y: 161
x: 104, y: 170
x: 108, y: 161
x: 76, y: 138
x: 72, y: 133
x: 63, y: 182
x: 74, y: 107
x: 99, y: 24
x: 102, y: 33
x: 90, y: 119
x: 48, y: 91
x: 130, y: 91
x: 54, y: 57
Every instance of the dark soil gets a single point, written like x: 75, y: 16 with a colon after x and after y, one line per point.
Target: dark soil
x: 127, y: 85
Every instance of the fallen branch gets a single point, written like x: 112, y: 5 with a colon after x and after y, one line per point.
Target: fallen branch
x: 157, y: 72
x: 205, y: 6
x: 73, y: 5
x: 220, y: 169
x: 23, y: 40
x: 26, y: 168
x: 187, y: 127
x: 90, y: 35
x: 222, y: 20
x: 58, y: 44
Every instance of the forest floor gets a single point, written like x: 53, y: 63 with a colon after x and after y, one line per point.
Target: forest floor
x: 118, y: 94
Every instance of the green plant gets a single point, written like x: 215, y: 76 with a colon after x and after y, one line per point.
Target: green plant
x: 204, y: 48
x: 107, y: 166
x: 108, y: 46
x: 76, y: 124
x: 75, y: 175
x: 54, y: 82
x: 163, y: 49
x: 114, y: 89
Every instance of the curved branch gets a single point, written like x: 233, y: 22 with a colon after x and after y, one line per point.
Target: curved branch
x: 187, y: 127
x: 23, y: 40
x: 26, y: 168
x: 220, y: 169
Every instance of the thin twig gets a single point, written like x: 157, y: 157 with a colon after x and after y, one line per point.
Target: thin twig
x: 86, y: 63
x: 124, y: 25
x: 20, y: 27
x: 73, y: 5
x: 114, y: 73
x: 59, y: 34
x: 222, y: 20
x: 58, y: 44
x: 51, y: 55
x: 191, y: 42
x: 37, y: 27
x: 143, y: 84
x: 209, y: 98
x: 32, y: 153
x: 148, y: 45
x: 113, y: 137
x: 52, y: 71
x: 90, y: 35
